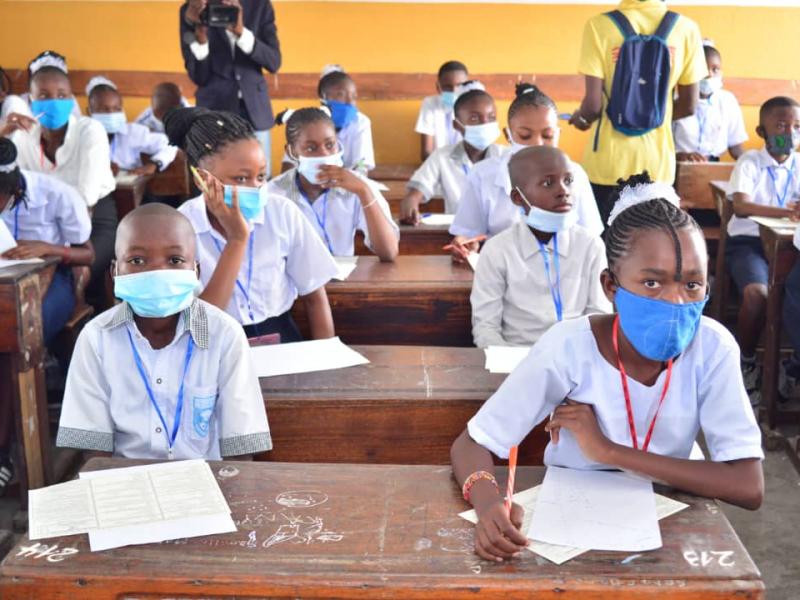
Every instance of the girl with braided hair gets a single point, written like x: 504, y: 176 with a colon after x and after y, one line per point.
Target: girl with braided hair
x: 626, y: 391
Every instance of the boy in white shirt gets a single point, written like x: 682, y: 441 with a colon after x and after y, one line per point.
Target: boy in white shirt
x: 166, y: 96
x: 717, y: 126
x: 541, y: 270
x: 189, y: 389
x: 764, y: 183
x: 435, y: 120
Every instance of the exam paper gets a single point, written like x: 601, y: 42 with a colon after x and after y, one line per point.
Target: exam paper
x: 437, y: 219
x: 776, y: 223
x: 7, y: 240
x: 346, y: 265
x: 7, y: 263
x: 63, y: 509
x: 304, y: 357
x: 597, y: 510
x: 472, y: 260
x: 504, y: 359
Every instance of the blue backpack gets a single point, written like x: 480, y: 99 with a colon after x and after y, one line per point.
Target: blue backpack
x: 640, y: 90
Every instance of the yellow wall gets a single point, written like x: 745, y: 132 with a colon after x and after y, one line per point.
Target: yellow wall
x: 756, y: 42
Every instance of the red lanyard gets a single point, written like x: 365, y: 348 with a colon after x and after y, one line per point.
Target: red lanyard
x: 624, y: 377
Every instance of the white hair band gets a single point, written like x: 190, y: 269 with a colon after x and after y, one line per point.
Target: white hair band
x: 632, y: 195
x: 9, y: 167
x: 99, y: 80
x: 47, y: 60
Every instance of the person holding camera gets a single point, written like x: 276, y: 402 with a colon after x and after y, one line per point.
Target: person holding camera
x: 225, y: 45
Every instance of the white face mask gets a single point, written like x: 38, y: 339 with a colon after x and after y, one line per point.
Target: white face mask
x: 308, y: 166
x: 710, y: 85
x: 481, y: 136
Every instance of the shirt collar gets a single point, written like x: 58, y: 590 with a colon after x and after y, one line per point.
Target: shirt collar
x: 502, y: 179
x: 530, y: 245
x: 765, y: 160
x: 459, y: 154
x: 641, y: 4
x: 195, y: 321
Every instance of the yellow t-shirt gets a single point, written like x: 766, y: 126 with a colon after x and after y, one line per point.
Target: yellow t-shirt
x: 617, y: 154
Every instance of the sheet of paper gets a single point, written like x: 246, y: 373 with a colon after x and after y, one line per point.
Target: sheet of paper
x: 776, y: 223
x: 7, y: 240
x: 597, y: 510
x: 504, y: 359
x: 125, y: 178
x: 62, y: 509
x: 437, y: 219
x: 346, y: 265
x: 304, y: 357
x: 472, y: 260
x: 6, y: 263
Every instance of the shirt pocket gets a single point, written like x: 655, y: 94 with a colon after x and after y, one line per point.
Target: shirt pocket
x: 200, y: 422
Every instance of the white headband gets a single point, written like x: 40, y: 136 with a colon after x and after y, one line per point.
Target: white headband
x: 328, y: 69
x: 709, y: 43
x: 469, y: 86
x: 287, y: 114
x: 325, y: 109
x: 99, y: 80
x: 47, y: 60
x: 643, y: 192
x: 8, y: 168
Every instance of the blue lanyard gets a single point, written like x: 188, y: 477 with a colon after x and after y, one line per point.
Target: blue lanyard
x: 465, y: 169
x: 701, y: 125
x: 16, y: 222
x: 782, y: 197
x: 179, y: 408
x: 245, y: 291
x: 322, y: 222
x: 555, y: 289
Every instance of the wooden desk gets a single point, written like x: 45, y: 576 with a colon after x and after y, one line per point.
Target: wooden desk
x: 396, y: 193
x: 406, y: 407
x: 692, y: 181
x: 722, y: 279
x: 22, y: 351
x: 374, y: 531
x: 172, y: 181
x: 415, y: 300
x: 128, y: 196
x: 393, y: 172
x: 419, y: 240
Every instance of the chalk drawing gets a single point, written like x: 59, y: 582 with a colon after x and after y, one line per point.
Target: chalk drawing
x: 50, y: 553
x: 295, y: 499
x: 301, y: 530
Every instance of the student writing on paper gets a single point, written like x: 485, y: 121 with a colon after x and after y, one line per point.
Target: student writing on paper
x: 543, y: 269
x: 485, y: 207
x: 445, y: 170
x: 764, y: 183
x: 163, y: 374
x: 629, y: 391
x: 435, y: 120
x: 336, y: 201
x: 257, y: 252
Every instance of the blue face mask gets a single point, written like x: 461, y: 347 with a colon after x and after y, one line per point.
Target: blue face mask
x: 54, y: 113
x: 545, y: 220
x: 158, y: 293
x: 342, y: 113
x: 308, y: 166
x: 251, y: 200
x: 111, y: 122
x: 658, y: 330
x: 448, y: 99
x: 481, y: 136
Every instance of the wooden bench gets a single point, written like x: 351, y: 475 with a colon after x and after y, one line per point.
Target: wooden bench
x: 692, y: 181
x: 419, y: 240
x: 129, y: 193
x: 406, y: 406
x: 397, y: 191
x: 374, y: 531
x: 415, y: 300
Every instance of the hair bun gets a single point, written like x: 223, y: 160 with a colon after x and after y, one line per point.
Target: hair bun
x: 8, y: 152
x: 283, y: 117
x: 523, y: 88
x: 178, y: 121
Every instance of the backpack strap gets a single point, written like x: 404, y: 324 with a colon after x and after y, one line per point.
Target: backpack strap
x: 622, y: 23
x: 667, y: 23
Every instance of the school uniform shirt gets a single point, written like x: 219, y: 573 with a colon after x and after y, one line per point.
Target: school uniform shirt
x: 618, y: 155
x: 53, y: 212
x: 336, y: 215
x: 83, y: 160
x: 716, y: 125
x: 21, y: 104
x: 445, y: 172
x: 706, y: 392
x: 107, y: 407
x: 128, y: 145
x: 486, y: 207
x: 148, y: 119
x: 436, y: 119
x: 288, y: 259
x: 766, y: 181
x: 512, y: 301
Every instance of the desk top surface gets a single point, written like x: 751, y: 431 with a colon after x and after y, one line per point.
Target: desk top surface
x: 12, y: 274
x: 364, y: 528
x: 408, y: 269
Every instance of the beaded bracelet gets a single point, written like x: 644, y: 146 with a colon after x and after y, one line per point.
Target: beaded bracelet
x: 475, y: 478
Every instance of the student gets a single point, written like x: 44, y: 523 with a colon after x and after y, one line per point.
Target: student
x: 256, y: 256
x: 445, y: 170
x: 129, y: 141
x: 627, y: 391
x: 517, y: 295
x: 21, y: 104
x: 435, y: 121
x: 717, y: 126
x: 73, y: 149
x: 166, y: 95
x: 485, y: 207
x: 764, y: 183
x: 187, y: 388
x: 336, y: 201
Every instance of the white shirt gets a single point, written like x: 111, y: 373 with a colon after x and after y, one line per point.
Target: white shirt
x: 486, y: 206
x: 128, y: 145
x: 288, y: 259
x: 107, y: 407
x: 716, y: 125
x: 356, y: 142
x: 445, y: 172
x: 22, y: 106
x: 706, y: 392
x: 335, y: 215
x: 245, y: 42
x: 53, y: 212
x: 436, y: 119
x: 83, y: 160
x: 512, y: 302
x: 148, y: 119
x: 753, y: 175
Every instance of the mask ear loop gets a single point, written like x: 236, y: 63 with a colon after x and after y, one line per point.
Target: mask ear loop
x: 524, y: 199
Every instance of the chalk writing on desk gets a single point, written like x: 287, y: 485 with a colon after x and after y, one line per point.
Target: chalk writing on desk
x: 457, y: 539
x: 301, y: 530
x: 703, y: 558
x: 301, y: 499
x: 51, y: 553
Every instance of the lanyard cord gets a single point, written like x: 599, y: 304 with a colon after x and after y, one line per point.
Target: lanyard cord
x: 781, y: 198
x: 245, y: 291
x: 555, y: 288
x: 322, y: 222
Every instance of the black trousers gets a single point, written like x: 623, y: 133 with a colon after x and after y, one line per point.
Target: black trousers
x: 283, y: 324
x: 104, y: 234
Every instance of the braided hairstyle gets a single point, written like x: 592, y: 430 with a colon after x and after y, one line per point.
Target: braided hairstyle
x: 201, y: 132
x: 657, y: 213
x: 528, y: 94
x: 12, y: 183
x: 298, y: 120
x: 330, y: 80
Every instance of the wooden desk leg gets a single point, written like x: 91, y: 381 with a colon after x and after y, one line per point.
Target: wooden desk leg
x: 772, y: 341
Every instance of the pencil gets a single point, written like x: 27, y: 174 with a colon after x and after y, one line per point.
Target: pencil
x: 479, y: 238
x: 512, y: 468
x: 198, y: 180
